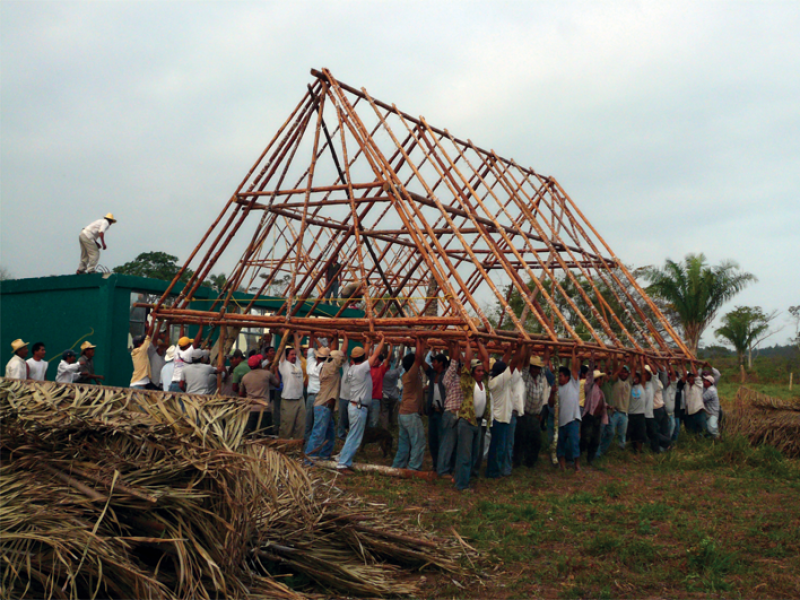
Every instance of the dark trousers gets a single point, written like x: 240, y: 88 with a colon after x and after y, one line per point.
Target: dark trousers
x: 657, y: 441
x: 434, y: 429
x: 527, y: 440
x: 664, y: 430
x: 259, y: 423
x: 591, y: 427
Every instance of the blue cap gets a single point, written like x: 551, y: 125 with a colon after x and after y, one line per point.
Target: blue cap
x: 67, y: 353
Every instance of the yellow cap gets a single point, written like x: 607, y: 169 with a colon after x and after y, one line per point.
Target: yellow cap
x: 184, y: 341
x: 87, y: 345
x: 111, y: 218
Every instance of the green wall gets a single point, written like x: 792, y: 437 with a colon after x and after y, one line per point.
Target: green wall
x: 65, y: 311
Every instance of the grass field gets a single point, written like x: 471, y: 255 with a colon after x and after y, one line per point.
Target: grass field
x: 718, y: 519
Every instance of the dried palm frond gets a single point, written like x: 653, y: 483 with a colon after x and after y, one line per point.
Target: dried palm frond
x: 121, y: 493
x: 765, y: 420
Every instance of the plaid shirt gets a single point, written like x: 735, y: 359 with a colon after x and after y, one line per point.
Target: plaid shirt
x: 535, y: 388
x: 452, y: 385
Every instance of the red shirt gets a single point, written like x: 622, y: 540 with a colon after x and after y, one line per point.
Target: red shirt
x: 377, y: 380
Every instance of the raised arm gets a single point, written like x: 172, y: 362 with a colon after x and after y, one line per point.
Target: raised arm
x: 198, y: 339
x: 576, y: 364
x: 376, y: 353
x: 483, y: 355
x: 419, y: 359
x: 518, y: 358
x: 388, y: 362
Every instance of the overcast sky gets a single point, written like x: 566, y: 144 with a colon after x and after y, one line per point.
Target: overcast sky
x: 675, y: 128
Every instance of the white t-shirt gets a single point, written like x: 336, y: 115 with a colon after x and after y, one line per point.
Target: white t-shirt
x: 95, y: 228
x: 292, y: 377
x: 360, y: 382
x: 67, y: 373
x: 569, y: 402
x: 479, y: 401
x: 502, y: 400
x: 157, y: 363
x: 38, y: 369
x: 313, y: 369
x: 182, y: 357
x: 166, y: 375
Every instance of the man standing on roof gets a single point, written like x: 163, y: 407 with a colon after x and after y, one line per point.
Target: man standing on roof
x: 17, y: 368
x: 90, y: 247
x: 332, y: 281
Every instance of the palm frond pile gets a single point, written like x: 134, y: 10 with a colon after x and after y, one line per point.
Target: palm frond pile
x: 765, y: 420
x: 116, y: 493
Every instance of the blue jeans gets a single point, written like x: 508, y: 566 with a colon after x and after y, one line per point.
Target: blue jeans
x: 467, y: 450
x: 344, y: 421
x: 358, y: 423
x: 676, y: 427
x: 497, y: 450
x: 434, y: 435
x: 505, y: 468
x: 411, y: 445
x: 333, y: 292
x: 373, y: 419
x: 617, y: 425
x: 447, y: 443
x: 310, y: 415
x: 320, y: 442
x: 569, y: 440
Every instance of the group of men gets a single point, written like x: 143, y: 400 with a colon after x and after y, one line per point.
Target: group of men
x: 71, y: 369
x: 514, y: 400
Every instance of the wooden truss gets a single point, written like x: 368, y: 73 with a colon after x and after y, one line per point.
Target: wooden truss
x: 434, y: 229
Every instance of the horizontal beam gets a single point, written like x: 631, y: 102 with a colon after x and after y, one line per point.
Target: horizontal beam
x: 313, y: 190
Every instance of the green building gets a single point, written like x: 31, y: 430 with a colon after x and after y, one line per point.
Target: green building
x: 67, y: 310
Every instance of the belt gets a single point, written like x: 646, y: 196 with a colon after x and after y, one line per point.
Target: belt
x: 358, y: 405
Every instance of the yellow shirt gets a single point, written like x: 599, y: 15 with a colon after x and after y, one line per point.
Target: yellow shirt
x: 582, y: 393
x: 141, y: 363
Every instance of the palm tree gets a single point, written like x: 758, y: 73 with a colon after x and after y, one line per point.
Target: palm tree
x: 695, y: 291
x: 741, y: 328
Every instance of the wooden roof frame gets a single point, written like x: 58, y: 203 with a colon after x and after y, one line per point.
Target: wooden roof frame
x: 432, y: 225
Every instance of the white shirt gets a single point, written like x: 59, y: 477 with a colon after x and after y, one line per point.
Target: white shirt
x: 518, y: 393
x: 292, y: 377
x: 479, y: 401
x: 694, y: 396
x: 95, y: 228
x: 17, y: 368
x: 166, y: 375
x: 313, y: 369
x: 182, y: 357
x: 344, y: 385
x: 67, y: 373
x: 649, y: 392
x: 38, y: 369
x: 569, y: 402
x: 658, y: 396
x: 360, y: 381
x: 157, y: 363
x: 502, y: 390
